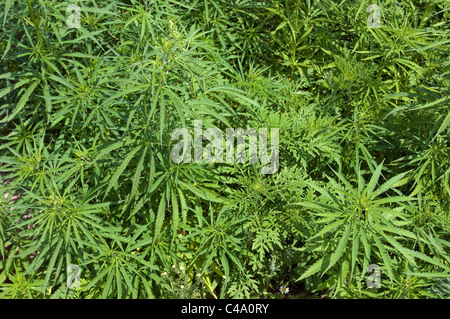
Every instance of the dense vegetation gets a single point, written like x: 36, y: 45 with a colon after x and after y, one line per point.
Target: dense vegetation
x: 86, y: 117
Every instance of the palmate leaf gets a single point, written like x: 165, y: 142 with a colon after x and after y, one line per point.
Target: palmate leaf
x: 226, y: 276
x: 137, y: 208
x: 178, y: 103
x: 175, y: 214
x: 322, y: 206
x: 355, y: 248
x: 162, y: 119
x: 108, y: 287
x: 107, y: 148
x: 229, y: 90
x: 210, y: 108
x: 160, y: 217
x: 51, y: 264
x: 22, y: 102
x: 13, y: 87
x: 114, y: 179
x: 234, y: 259
x: 208, y: 261
x: 404, y: 251
x: 342, y: 245
x: 126, y: 278
x: 437, y: 244
x: 136, y: 179
x: 118, y: 282
x: 330, y: 228
x: 100, y: 274
x: 444, y: 125
x: 374, y: 180
x: 8, y: 5
x: 386, y: 259
x: 428, y: 259
x: 391, y: 183
x: 202, y: 192
x: 429, y: 274
x: 184, y: 207
x: 316, y: 267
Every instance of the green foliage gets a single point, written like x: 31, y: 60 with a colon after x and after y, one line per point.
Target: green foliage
x: 86, y: 176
